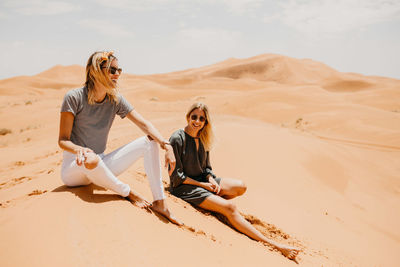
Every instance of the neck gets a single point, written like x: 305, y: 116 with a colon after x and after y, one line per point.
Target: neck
x: 192, y: 133
x: 99, y: 93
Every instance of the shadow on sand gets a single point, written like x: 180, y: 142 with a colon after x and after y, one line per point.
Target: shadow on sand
x: 87, y: 193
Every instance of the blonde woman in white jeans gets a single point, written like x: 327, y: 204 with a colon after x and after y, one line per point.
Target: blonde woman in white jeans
x: 87, y: 114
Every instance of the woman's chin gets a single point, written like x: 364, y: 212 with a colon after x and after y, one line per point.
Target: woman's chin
x: 196, y: 129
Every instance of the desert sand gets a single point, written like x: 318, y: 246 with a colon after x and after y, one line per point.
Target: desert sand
x: 318, y: 149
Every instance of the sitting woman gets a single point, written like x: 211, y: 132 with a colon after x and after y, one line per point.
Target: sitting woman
x: 87, y: 114
x: 193, y: 180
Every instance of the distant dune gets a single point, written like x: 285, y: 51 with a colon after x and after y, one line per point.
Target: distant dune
x: 64, y: 73
x: 58, y: 77
x: 318, y: 149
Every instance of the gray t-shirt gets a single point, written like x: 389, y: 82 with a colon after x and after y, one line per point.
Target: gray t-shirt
x: 92, y: 123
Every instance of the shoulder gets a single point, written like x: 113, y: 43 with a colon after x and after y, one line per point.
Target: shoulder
x: 122, y: 100
x: 178, y: 137
x: 73, y: 101
x: 120, y: 97
x: 77, y: 93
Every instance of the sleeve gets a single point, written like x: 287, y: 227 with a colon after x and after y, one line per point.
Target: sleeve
x: 208, y: 166
x: 178, y: 176
x: 70, y: 103
x: 123, y: 107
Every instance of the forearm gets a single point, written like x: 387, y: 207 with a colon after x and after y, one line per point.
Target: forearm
x: 148, y: 128
x: 212, y: 187
x: 192, y: 182
x: 69, y: 146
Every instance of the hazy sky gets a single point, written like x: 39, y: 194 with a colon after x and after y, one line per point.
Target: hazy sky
x: 156, y: 36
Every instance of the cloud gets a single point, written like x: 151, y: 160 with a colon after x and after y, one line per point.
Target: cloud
x: 105, y: 27
x: 241, y: 6
x: 208, y: 42
x: 271, y: 18
x: 135, y: 5
x: 40, y: 7
x: 333, y: 17
x: 207, y: 37
x: 233, y: 6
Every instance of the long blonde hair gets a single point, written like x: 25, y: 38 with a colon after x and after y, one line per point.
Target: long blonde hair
x: 206, y: 134
x: 96, y: 75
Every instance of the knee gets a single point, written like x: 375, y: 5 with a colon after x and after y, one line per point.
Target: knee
x: 92, y: 162
x: 151, y: 143
x: 230, y: 209
x: 242, y: 188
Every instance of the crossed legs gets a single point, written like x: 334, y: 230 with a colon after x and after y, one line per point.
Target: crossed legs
x: 105, y: 169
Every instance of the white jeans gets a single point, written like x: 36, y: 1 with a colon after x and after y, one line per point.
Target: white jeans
x: 113, y: 164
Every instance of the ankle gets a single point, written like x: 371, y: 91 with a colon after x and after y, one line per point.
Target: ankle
x: 160, y: 203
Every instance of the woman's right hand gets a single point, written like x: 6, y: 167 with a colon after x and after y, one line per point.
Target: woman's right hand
x: 209, y: 186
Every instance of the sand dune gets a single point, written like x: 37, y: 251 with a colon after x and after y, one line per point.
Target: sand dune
x: 64, y: 73
x: 318, y: 149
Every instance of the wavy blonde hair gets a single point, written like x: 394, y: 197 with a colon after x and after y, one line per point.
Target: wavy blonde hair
x: 206, y: 134
x: 97, y: 73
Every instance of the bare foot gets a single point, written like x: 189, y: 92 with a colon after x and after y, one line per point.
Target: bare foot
x: 288, y: 251
x: 138, y: 201
x: 160, y: 206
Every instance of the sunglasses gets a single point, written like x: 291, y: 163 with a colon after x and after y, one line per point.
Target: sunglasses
x: 113, y: 70
x: 194, y: 118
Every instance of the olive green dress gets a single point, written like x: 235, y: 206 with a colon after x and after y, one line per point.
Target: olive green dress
x: 191, y: 163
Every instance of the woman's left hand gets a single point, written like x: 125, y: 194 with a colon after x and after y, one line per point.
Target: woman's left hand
x: 169, y: 157
x: 91, y: 159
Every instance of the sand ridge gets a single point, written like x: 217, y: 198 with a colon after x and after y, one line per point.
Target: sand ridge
x: 318, y: 149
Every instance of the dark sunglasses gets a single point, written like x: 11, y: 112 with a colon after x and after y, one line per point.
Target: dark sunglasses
x: 113, y: 70
x: 194, y: 118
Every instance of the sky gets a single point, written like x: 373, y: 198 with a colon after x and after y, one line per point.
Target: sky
x: 159, y: 36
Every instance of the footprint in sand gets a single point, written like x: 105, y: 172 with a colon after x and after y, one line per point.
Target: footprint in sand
x: 197, y: 232
x: 37, y: 192
x: 14, y: 181
x: 19, y: 163
x: 141, y: 176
